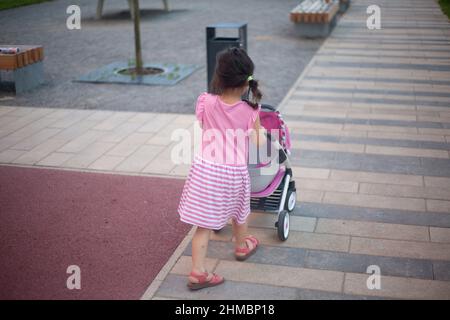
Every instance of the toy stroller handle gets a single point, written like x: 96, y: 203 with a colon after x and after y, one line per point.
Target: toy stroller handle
x: 283, y: 156
x: 268, y: 107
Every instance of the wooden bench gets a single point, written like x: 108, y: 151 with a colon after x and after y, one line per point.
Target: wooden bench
x: 100, y: 4
x: 26, y: 66
x: 315, y: 18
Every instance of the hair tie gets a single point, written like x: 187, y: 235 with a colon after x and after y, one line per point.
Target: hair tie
x: 250, y: 78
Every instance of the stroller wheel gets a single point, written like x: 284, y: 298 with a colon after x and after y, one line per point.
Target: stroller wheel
x: 291, y: 200
x: 283, y: 225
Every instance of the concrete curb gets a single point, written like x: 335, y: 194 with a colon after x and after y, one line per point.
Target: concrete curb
x: 156, y: 283
x: 123, y: 173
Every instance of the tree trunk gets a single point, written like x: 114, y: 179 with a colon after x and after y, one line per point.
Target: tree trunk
x: 137, y: 37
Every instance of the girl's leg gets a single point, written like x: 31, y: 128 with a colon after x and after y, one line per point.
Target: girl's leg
x: 240, y: 232
x: 199, y: 249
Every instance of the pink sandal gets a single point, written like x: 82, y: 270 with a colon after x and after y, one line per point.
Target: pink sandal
x: 203, y: 281
x: 247, y: 251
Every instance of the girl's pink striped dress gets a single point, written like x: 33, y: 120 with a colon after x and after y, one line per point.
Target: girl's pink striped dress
x: 218, y: 185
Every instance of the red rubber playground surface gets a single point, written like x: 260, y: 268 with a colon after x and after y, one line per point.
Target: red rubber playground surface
x: 120, y: 230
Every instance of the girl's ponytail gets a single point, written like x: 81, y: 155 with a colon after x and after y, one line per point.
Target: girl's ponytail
x: 256, y: 93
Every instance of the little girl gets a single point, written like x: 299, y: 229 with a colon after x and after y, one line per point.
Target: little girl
x: 218, y: 185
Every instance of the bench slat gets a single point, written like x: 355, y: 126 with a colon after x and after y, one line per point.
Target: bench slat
x: 26, y: 55
x: 314, y: 11
x: 7, y: 62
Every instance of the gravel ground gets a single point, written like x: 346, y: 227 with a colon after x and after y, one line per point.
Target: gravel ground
x: 177, y: 37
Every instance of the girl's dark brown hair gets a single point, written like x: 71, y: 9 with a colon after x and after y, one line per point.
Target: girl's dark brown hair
x: 233, y: 67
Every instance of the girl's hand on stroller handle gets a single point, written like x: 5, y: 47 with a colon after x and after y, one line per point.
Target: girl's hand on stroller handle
x: 258, y: 135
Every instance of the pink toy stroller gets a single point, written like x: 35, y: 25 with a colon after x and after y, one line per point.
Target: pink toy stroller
x: 272, y: 185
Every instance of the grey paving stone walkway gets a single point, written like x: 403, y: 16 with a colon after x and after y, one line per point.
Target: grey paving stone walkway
x: 370, y: 120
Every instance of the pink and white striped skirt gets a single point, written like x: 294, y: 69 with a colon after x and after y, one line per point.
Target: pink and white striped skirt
x: 214, y: 193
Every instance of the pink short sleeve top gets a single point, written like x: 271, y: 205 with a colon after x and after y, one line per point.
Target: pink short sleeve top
x: 225, y: 129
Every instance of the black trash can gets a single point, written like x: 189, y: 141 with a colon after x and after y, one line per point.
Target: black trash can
x: 215, y: 44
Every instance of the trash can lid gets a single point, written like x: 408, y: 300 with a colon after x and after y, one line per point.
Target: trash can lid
x: 228, y: 25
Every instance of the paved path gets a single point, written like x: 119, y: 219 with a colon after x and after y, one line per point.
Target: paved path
x: 117, y: 142
x: 370, y: 122
x: 371, y: 126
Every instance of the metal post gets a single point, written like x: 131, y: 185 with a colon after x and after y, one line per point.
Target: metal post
x: 137, y: 37
x: 166, y: 5
x: 100, y: 8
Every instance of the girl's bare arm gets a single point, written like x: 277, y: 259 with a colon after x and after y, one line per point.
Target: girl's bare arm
x: 258, y: 134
